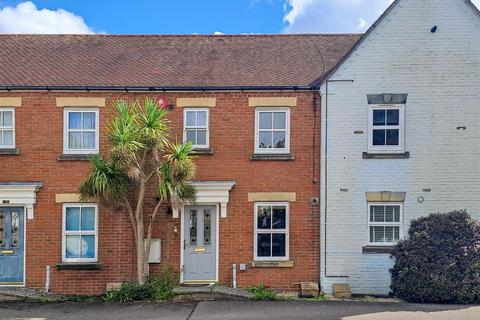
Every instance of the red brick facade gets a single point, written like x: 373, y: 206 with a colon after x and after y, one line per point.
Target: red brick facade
x: 39, y: 136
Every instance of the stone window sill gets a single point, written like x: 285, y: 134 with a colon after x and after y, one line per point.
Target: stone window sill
x: 376, y: 155
x: 272, y: 264
x: 202, y: 151
x: 272, y: 157
x: 79, y: 266
x: 74, y: 157
x: 377, y: 249
x: 10, y: 152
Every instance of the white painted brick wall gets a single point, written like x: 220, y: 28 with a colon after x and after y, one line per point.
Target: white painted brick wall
x: 441, y: 74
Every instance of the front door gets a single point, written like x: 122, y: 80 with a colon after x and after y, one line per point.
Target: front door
x: 200, y: 243
x: 11, y: 245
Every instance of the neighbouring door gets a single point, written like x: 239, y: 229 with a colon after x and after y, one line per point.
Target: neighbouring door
x: 11, y: 245
x: 200, y: 244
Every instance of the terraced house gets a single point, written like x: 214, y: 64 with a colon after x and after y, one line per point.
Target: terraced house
x: 248, y: 103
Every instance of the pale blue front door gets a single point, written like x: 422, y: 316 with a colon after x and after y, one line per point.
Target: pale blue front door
x: 200, y: 245
x: 11, y: 245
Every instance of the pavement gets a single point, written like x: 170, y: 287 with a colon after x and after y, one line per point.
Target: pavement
x: 230, y: 310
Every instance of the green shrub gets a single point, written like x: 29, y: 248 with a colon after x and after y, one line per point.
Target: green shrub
x: 440, y: 261
x: 154, y: 288
x: 260, y: 293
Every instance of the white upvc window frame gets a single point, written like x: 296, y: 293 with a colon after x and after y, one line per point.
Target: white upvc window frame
x: 285, y: 231
x: 66, y: 233
x: 401, y: 127
x: 384, y: 224
x: 66, y: 149
x: 207, y: 127
x: 8, y: 128
x: 285, y: 150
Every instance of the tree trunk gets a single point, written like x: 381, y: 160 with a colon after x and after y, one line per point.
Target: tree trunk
x: 141, y: 277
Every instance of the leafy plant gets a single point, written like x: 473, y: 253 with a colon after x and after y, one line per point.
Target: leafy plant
x: 440, y: 261
x: 154, y: 288
x: 141, y: 158
x: 261, y: 293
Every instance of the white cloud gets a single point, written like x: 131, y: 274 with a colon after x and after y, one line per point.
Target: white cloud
x: 27, y: 18
x: 333, y: 15
x: 217, y: 33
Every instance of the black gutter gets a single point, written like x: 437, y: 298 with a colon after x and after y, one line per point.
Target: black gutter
x: 157, y: 89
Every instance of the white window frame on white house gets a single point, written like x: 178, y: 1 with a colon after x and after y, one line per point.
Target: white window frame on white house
x: 66, y: 131
x: 285, y: 110
x: 401, y: 127
x: 66, y: 233
x: 272, y: 231
x: 197, y: 127
x: 398, y: 224
x: 7, y: 128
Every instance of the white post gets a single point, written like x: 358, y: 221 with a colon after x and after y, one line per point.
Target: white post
x: 234, y: 276
x: 47, y: 281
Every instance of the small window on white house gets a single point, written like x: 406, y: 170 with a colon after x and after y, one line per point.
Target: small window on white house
x: 384, y: 223
x: 196, y: 127
x: 80, y: 233
x: 386, y: 128
x: 7, y: 128
x: 272, y: 130
x: 271, y: 231
x: 81, y: 131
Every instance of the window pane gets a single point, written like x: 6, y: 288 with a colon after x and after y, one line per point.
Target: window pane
x: 393, y: 137
x: 7, y: 119
x: 74, y: 140
x: 264, y: 245
x: 279, y: 120
x: 72, y: 247
x: 389, y: 234
x: 88, y: 120
x: 279, y: 217
x: 88, y: 218
x: 278, y: 245
x: 378, y: 137
x: 88, y: 247
x: 191, y: 136
x: 396, y: 234
x: 393, y: 117
x: 377, y: 213
x: 389, y: 214
x: 88, y: 140
x: 265, y: 121
x: 207, y: 225
x: 72, y: 221
x: 7, y: 138
x: 74, y: 120
x: 193, y: 227
x: 202, y: 118
x: 372, y: 235
x: 378, y: 117
x: 396, y: 213
x: 379, y: 235
x: 3, y: 220
x: 15, y: 230
x: 201, y: 137
x: 279, y: 139
x: 265, y: 140
x: 191, y: 118
x: 264, y: 217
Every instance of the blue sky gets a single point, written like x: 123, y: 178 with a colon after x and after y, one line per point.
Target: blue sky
x: 188, y: 16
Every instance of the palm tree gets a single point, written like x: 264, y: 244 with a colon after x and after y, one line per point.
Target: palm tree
x: 141, y: 156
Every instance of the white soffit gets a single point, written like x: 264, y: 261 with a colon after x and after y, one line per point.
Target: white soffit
x: 20, y: 193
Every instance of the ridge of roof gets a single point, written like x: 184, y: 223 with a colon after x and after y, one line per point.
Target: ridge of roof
x: 182, y: 35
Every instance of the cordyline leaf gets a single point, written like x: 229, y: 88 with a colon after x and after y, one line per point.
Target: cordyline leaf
x: 106, y: 182
x: 152, y: 125
x: 125, y: 135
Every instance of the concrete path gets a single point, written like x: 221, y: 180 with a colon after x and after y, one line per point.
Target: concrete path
x: 227, y: 310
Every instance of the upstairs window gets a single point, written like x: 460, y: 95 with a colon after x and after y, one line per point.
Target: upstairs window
x: 272, y: 130
x: 81, y: 131
x: 384, y: 223
x: 196, y: 127
x: 386, y: 128
x: 7, y: 128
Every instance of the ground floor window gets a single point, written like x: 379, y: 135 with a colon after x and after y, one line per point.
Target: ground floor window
x: 271, y: 231
x: 80, y: 233
x: 384, y: 223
